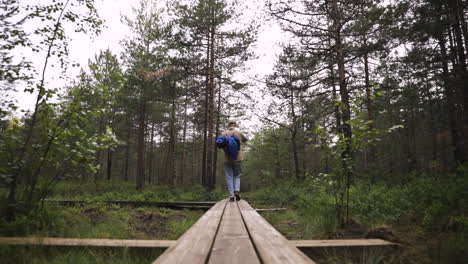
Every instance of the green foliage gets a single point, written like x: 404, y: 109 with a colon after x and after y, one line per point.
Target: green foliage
x: 268, y: 158
x: 368, y: 255
x: 105, y: 191
x: 93, y: 221
x: 12, y: 36
x: 42, y: 255
x: 284, y: 193
x: 100, y: 220
x: 52, y: 140
x: 380, y: 203
x: 179, y: 227
x: 61, y: 144
x: 436, y: 203
x: 314, y: 205
x: 319, y: 221
x: 339, y: 151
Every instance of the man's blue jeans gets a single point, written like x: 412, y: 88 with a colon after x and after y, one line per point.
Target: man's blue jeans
x: 233, y: 171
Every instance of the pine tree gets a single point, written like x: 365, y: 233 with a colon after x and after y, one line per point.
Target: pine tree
x: 145, y: 55
x: 203, y: 36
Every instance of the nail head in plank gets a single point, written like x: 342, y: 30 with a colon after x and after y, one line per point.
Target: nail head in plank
x: 273, y: 247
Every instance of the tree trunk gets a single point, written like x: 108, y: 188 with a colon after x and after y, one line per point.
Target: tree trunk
x: 346, y: 155
x: 277, y: 163
x: 455, y: 23
x: 127, y: 154
x: 370, y: 107
x: 297, y: 169
x: 204, y: 178
x: 336, y: 109
x: 194, y: 157
x: 140, y: 177
x: 172, y: 143
x: 184, y: 148
x: 109, y: 164
x: 453, y: 50
x: 151, y: 156
x: 458, y: 151
x: 217, y: 132
x: 461, y: 16
x: 98, y: 156
x: 210, y: 140
x: 11, y: 207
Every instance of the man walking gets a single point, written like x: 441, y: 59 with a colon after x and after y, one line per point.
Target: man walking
x: 233, y: 168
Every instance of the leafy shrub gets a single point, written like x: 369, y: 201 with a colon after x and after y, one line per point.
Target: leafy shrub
x: 379, y: 203
x: 437, y: 203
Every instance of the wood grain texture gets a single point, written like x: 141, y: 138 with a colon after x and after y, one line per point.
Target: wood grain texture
x: 56, y: 241
x: 189, y: 204
x: 340, y: 243
x: 232, y: 244
x: 270, y: 209
x: 272, y: 247
x: 195, y: 245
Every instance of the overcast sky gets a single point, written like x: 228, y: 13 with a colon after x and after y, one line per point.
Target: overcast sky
x: 82, y: 47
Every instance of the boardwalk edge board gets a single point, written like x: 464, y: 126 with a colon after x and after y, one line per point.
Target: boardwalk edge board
x: 56, y: 241
x: 189, y: 204
x: 340, y: 243
x: 78, y: 242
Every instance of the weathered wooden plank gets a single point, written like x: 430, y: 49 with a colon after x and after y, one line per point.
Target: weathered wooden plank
x: 270, y: 209
x: 195, y: 245
x: 56, y: 241
x: 270, y: 244
x: 189, y: 204
x: 232, y: 243
x: 340, y: 243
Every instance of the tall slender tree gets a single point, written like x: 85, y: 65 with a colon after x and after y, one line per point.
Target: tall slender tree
x: 202, y: 24
x: 145, y: 56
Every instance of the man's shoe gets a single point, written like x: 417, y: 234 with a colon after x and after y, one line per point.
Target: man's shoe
x: 231, y: 199
x: 237, y: 194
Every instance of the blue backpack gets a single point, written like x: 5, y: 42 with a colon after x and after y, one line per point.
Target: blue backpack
x: 230, y: 145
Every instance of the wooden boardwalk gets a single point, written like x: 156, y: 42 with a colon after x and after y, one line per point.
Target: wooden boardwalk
x: 232, y: 232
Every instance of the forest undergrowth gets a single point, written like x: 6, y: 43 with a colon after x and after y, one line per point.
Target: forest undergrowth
x: 97, y: 219
x: 426, y: 216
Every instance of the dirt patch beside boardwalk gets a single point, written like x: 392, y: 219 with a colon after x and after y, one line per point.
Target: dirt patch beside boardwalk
x: 95, y: 215
x: 156, y: 224
x: 153, y: 224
